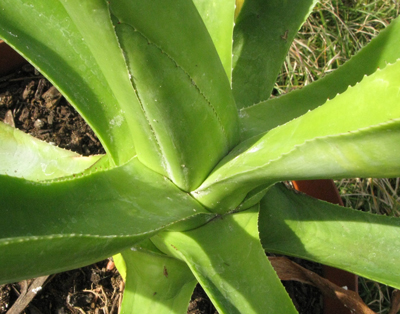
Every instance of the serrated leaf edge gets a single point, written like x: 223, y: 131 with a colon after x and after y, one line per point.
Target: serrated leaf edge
x: 202, y: 190
x: 9, y: 241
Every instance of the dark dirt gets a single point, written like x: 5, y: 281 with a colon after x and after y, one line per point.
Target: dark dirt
x: 306, y: 298
x: 93, y: 289
x: 28, y: 102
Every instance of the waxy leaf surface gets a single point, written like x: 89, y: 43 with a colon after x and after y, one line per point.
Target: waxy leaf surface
x: 22, y: 155
x: 73, y: 43
x: 183, y: 90
x: 55, y: 226
x: 155, y: 283
x: 359, y: 242
x: 262, y: 36
x: 218, y: 15
x: 381, y: 51
x: 328, y: 142
x: 227, y: 259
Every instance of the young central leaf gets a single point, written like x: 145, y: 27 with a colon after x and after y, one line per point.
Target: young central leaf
x: 177, y: 111
x: 182, y: 88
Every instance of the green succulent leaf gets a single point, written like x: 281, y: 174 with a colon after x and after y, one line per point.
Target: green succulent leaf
x: 77, y: 39
x: 158, y: 85
x: 144, y: 246
x: 262, y: 117
x: 362, y: 243
x: 182, y: 87
x: 227, y: 259
x: 122, y: 111
x: 120, y: 264
x: 155, y: 283
x: 24, y: 156
x: 262, y: 36
x: 328, y: 142
x: 218, y: 18
x: 82, y: 220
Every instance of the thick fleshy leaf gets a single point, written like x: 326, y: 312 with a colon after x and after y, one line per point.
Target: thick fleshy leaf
x: 227, y: 259
x: 82, y: 59
x: 261, y: 40
x: 120, y: 264
x: 145, y: 246
x: 328, y: 142
x: 359, y: 242
x: 55, y: 226
x: 218, y: 18
x: 155, y: 283
x: 382, y: 50
x: 22, y: 155
x: 183, y: 89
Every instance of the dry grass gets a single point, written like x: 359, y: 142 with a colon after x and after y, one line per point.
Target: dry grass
x: 378, y: 196
x: 334, y: 32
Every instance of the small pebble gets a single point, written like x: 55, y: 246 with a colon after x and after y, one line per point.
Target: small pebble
x: 38, y: 124
x: 9, y: 118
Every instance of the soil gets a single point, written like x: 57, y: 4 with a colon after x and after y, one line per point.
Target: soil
x: 306, y: 298
x: 30, y: 103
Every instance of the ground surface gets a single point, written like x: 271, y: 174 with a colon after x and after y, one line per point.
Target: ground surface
x: 28, y: 102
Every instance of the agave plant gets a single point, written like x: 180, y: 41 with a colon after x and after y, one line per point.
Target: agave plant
x: 188, y: 190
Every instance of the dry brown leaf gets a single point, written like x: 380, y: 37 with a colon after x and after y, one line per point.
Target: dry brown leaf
x: 395, y: 302
x: 288, y: 270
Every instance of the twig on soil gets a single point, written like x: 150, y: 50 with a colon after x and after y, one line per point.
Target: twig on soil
x: 28, y: 292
